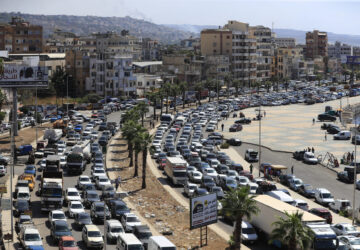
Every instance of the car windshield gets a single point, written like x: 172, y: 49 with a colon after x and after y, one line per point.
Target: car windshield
x: 248, y: 230
x: 100, y: 208
x: 137, y: 247
x: 93, y: 195
x: 144, y: 235
x: 23, y: 195
x: 32, y: 237
x: 132, y: 219
x: 76, y: 205
x: 192, y: 187
x: 326, y: 195
x: 230, y: 182
x: 297, y: 182
x: 349, y: 228
x: 69, y: 243
x: 355, y: 241
x: 216, y: 189
x: 58, y: 216
x: 84, y: 216
x: 202, y: 191
x: 309, y: 187
x: 103, y: 180
x: 22, y: 220
x: 94, y: 234
x: 99, y: 171
x: 109, y: 188
x: 73, y: 193
x: 62, y: 228
x: 84, y: 179
x: 210, y: 171
x: 117, y: 230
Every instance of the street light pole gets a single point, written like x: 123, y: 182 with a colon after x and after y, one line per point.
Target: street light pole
x: 259, y: 117
x: 355, y: 173
x: 36, y: 115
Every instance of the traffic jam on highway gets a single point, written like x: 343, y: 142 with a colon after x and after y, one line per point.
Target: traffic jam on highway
x: 66, y: 198
x: 187, y: 149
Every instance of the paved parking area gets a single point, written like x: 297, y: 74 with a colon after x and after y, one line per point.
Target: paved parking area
x: 290, y: 128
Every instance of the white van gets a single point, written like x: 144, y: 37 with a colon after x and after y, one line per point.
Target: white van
x: 113, y: 229
x: 343, y: 135
x: 323, y: 196
x: 160, y: 243
x: 128, y: 241
x: 23, y: 193
x: 280, y: 195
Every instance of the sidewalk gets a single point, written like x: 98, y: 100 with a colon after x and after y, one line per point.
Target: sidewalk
x: 239, y: 159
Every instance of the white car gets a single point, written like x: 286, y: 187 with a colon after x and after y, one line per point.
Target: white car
x: 242, y: 181
x: 345, y: 229
x: 248, y: 233
x: 63, y: 161
x: 195, y: 176
x: 253, y: 187
x: 129, y: 220
x: 295, y: 184
x: 214, y: 163
x: 56, y: 215
x: 102, y: 181
x: 210, y: 172
x: 83, y: 180
x: 97, y: 172
x: 94, y: 135
x: 75, y: 207
x: 30, y: 237
x: 310, y: 158
x: 87, y: 131
x: 92, y: 236
x: 189, y: 189
x: 71, y: 194
x: 42, y: 164
x: 350, y: 242
x: 61, y: 151
x: 301, y: 204
x: 157, y: 143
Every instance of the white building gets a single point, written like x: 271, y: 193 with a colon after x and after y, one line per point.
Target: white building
x: 146, y: 83
x: 338, y: 50
x: 285, y: 42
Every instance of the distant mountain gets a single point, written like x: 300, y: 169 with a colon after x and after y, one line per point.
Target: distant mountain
x: 299, y: 35
x: 84, y: 25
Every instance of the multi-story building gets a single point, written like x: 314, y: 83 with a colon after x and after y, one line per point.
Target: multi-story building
x: 146, y: 83
x: 264, y: 51
x: 216, y: 66
x: 185, y: 67
x: 20, y: 37
x: 111, y: 74
x: 285, y: 42
x: 216, y: 42
x: 338, y: 50
x: 316, y: 44
x: 77, y: 67
x: 150, y: 50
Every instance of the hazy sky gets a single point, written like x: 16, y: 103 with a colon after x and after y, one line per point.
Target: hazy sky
x: 332, y: 15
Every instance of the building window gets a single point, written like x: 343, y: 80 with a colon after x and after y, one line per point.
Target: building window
x: 214, y: 44
x: 140, y: 84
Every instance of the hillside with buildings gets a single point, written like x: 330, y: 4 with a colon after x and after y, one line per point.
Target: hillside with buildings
x: 84, y: 25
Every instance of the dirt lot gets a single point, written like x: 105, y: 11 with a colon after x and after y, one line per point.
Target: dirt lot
x: 157, y: 205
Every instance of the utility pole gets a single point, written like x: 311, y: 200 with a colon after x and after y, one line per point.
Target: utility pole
x: 36, y: 115
x: 259, y: 113
x: 355, y: 168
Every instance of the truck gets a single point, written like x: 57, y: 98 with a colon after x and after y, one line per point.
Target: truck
x: 175, y: 170
x: 41, y: 145
x: 75, y: 163
x: 52, y: 163
x: 84, y: 149
x: 270, y: 209
x: 53, y: 135
x: 61, y: 124
x: 51, y: 190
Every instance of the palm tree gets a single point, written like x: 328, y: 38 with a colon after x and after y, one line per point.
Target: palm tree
x: 131, y: 115
x: 268, y: 85
x: 209, y: 84
x: 198, y: 89
x: 228, y: 80
x: 129, y: 133
x: 167, y: 90
x: 183, y: 87
x: 292, y: 232
x: 238, y: 204
x: 236, y: 85
x: 174, y: 91
x: 137, y: 148
x: 142, y: 108
x: 153, y: 97
x: 146, y: 139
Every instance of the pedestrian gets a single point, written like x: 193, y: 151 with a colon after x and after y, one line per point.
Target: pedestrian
x: 117, y: 182
x: 264, y: 113
x: 251, y: 168
x: 309, y: 149
x: 352, y: 156
x: 348, y: 157
x: 313, y: 150
x: 266, y: 172
x: 325, y: 137
x: 313, y: 121
x: 222, y: 127
x: 292, y: 169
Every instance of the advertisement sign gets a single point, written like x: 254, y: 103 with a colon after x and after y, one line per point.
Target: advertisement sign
x: 13, y: 75
x: 353, y: 60
x: 203, y: 210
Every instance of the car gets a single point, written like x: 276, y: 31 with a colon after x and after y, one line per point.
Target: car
x: 235, y: 128
x: 350, y: 242
x: 81, y: 219
x: 102, y: 181
x: 307, y: 190
x: 189, y: 189
x: 24, y: 220
x: 55, y: 215
x: 286, y: 178
x: 67, y: 243
x: 200, y: 191
x: 243, y: 121
x: 92, y: 237
x: 86, y: 187
x: 107, y: 192
x: 58, y: 229
x: 310, y: 158
x: 242, y: 181
x: 326, y: 117
x: 234, y: 142
x: 75, y: 207
x: 97, y: 172
x: 21, y: 206
x: 207, y: 182
x: 97, y: 211
x: 30, y: 169
x: 129, y: 220
x: 345, y: 177
x: 210, y: 172
x: 195, y: 176
x: 219, y: 192
x: 83, y: 179
x: 113, y: 230
x: 71, y: 194
x: 301, y: 204
x: 90, y: 196
x: 30, y: 236
x: 143, y: 233
x: 248, y: 233
x: 117, y: 208
x: 341, y: 205
x: 295, y: 184
x: 323, y: 213
x: 345, y: 229
x: 251, y: 155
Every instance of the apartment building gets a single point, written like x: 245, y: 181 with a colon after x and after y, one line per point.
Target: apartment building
x: 77, y: 67
x: 216, y: 42
x: 285, y: 42
x: 150, y: 50
x: 111, y: 74
x: 186, y: 67
x: 338, y: 50
x: 146, y: 83
x: 19, y: 37
x: 316, y: 44
x: 216, y: 66
x: 264, y: 51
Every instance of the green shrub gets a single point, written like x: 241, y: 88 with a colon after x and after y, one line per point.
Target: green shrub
x: 225, y: 145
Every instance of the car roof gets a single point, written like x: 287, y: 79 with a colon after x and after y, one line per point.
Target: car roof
x: 98, y: 203
x: 60, y: 222
x: 72, y: 189
x: 66, y: 238
x: 91, y: 228
x: 113, y: 222
x: 320, y: 209
x: 91, y: 191
x: 57, y: 211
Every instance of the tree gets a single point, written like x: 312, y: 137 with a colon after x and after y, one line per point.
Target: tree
x: 3, y: 99
x: 59, y: 80
x: 292, y: 232
x: 238, y: 204
x: 209, y: 84
x: 228, y: 80
x: 142, y: 108
x: 167, y: 90
x: 146, y: 140
x: 236, y: 85
x: 198, y: 89
x: 183, y: 87
x: 153, y: 97
x: 129, y: 133
x: 131, y: 115
x: 268, y: 86
x: 137, y: 142
x: 174, y: 92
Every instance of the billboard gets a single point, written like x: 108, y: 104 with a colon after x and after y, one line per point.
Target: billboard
x: 14, y: 75
x: 203, y: 210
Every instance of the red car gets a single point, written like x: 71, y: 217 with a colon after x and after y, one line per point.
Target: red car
x: 246, y: 174
x: 162, y: 164
x: 323, y: 213
x: 67, y: 243
x: 94, y: 116
x: 177, y: 127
